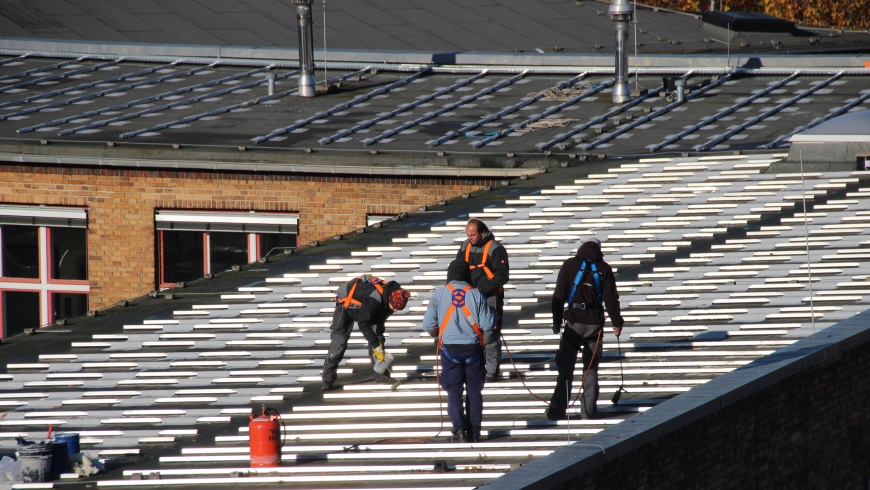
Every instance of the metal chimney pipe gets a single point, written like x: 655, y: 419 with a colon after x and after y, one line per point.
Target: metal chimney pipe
x: 621, y: 13
x: 306, y: 48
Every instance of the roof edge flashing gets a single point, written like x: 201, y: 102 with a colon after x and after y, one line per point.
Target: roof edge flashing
x: 277, y: 167
x: 335, y: 58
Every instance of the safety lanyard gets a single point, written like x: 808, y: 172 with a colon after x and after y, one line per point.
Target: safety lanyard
x: 595, y: 276
x: 459, y: 300
x: 482, y: 264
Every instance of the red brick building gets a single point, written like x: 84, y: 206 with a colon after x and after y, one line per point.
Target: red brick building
x: 134, y: 230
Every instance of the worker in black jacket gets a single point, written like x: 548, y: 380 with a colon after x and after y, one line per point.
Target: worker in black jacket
x: 586, y: 283
x: 368, y: 301
x: 488, y: 261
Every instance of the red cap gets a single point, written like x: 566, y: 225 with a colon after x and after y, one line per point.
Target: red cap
x: 399, y: 298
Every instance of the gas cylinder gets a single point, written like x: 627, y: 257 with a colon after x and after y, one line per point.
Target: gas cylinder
x: 265, y: 438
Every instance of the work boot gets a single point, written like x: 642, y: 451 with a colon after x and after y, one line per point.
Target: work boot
x: 467, y: 436
x: 326, y: 386
x: 491, y: 377
x: 553, y: 414
x: 458, y: 436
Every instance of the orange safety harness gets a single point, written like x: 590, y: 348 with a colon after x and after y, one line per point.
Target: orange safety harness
x: 482, y: 264
x: 459, y: 301
x: 349, y: 302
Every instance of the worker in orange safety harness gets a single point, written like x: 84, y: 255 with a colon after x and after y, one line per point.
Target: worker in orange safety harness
x: 460, y: 316
x: 487, y: 260
x: 368, y: 301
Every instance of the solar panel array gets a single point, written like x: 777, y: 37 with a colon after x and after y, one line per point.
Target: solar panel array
x: 718, y: 264
x: 473, y: 110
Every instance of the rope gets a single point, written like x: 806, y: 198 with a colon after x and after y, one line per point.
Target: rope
x: 582, y: 381
x: 438, y: 386
x: 561, y: 94
x: 546, y: 124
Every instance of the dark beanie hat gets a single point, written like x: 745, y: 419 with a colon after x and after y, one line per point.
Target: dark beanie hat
x: 458, y: 271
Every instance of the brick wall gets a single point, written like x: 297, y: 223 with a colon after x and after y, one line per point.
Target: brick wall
x: 121, y: 204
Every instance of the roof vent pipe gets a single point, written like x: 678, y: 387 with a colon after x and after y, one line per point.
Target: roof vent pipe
x: 680, y: 85
x: 270, y: 81
x: 306, y: 48
x: 621, y: 13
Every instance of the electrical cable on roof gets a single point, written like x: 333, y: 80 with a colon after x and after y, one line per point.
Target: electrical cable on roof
x: 807, y: 241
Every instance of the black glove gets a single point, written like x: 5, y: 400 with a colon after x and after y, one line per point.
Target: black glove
x: 557, y: 328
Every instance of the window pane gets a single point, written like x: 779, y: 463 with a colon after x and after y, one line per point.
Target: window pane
x: 20, y: 251
x: 20, y: 311
x: 276, y: 243
x: 376, y: 218
x: 66, y: 305
x: 227, y: 250
x: 182, y: 256
x: 69, y: 253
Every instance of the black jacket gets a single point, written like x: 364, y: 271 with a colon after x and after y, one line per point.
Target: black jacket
x: 496, y: 260
x: 594, y: 313
x: 371, y: 315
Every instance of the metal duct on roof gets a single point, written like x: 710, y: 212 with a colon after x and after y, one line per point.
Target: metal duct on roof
x: 621, y: 12
x: 306, y: 48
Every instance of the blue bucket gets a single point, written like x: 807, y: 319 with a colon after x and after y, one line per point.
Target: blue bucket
x: 72, y: 440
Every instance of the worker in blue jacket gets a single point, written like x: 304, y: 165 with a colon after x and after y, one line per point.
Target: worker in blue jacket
x: 459, y: 315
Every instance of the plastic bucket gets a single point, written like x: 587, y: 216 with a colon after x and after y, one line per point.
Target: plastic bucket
x: 35, y: 462
x: 59, y: 457
x: 72, y: 440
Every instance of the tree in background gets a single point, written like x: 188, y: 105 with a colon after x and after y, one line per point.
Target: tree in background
x: 842, y: 14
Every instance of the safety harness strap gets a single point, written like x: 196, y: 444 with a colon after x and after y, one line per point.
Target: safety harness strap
x: 459, y: 301
x: 350, y: 302
x: 595, y: 276
x: 452, y: 359
x: 483, y: 257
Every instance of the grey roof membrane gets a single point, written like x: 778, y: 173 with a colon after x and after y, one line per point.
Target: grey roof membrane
x: 716, y: 264
x: 852, y: 127
x: 531, y: 26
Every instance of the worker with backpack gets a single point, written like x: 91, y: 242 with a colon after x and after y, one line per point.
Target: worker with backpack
x: 585, y: 287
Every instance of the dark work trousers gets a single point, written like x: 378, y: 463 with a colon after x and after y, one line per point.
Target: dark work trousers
x: 466, y: 376
x: 577, y: 337
x: 492, y: 337
x: 342, y: 324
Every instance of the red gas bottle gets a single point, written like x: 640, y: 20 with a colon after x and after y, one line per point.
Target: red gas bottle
x: 265, y: 437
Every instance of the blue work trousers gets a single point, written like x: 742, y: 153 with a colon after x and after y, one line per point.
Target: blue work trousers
x: 468, y: 376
